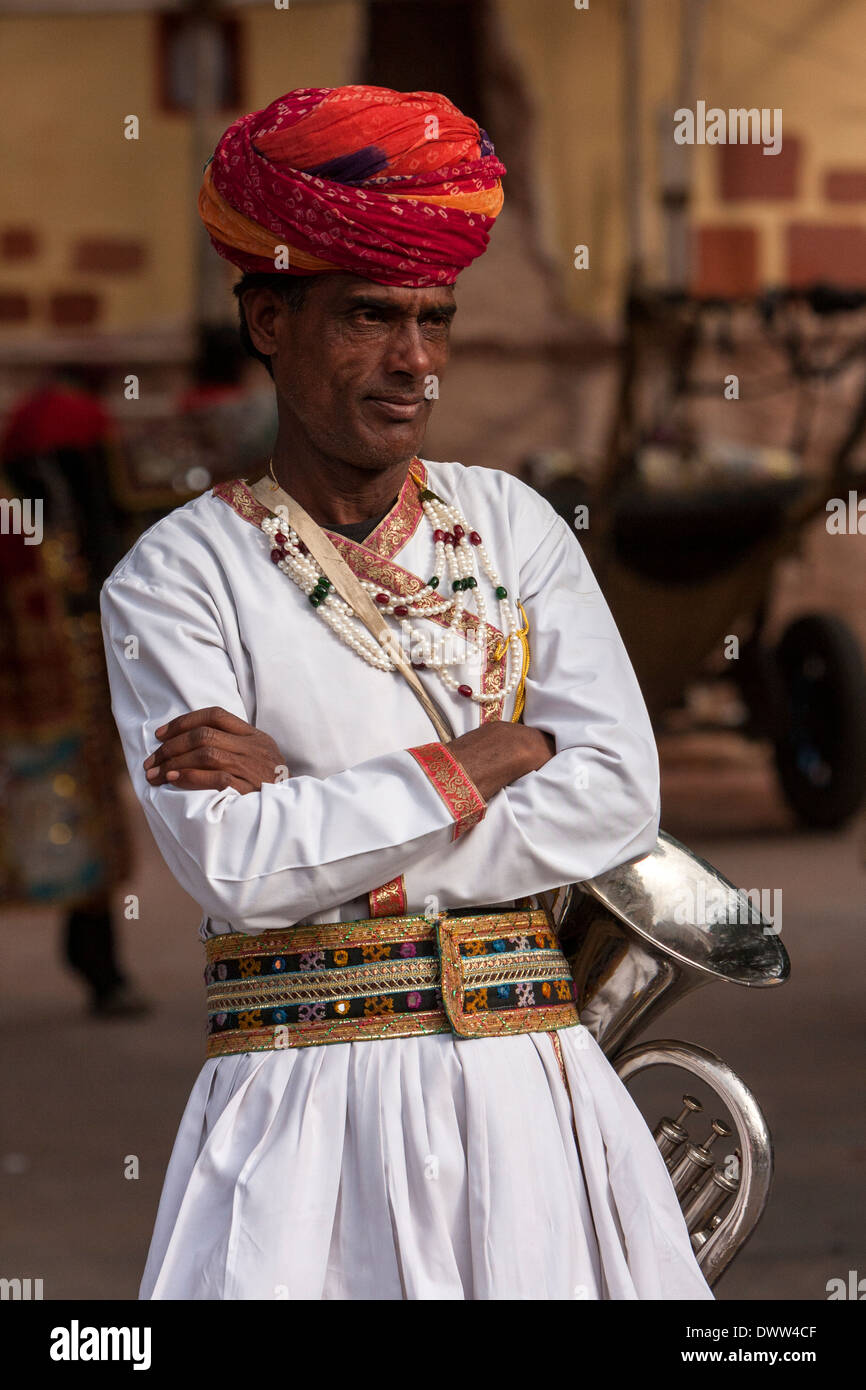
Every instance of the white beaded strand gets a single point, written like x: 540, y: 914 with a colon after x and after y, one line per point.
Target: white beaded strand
x: 455, y: 545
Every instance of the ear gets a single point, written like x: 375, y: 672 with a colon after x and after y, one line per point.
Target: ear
x: 262, y: 309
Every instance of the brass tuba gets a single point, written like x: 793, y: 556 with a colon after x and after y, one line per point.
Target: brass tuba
x: 638, y: 938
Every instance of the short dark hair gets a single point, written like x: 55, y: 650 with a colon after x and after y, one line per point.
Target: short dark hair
x: 291, y: 288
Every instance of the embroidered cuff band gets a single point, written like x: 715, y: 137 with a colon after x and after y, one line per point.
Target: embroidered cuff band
x: 456, y: 789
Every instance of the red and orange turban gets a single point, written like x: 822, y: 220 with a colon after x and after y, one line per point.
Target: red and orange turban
x: 398, y: 187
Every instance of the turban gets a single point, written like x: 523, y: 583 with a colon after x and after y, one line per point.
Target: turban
x: 397, y: 187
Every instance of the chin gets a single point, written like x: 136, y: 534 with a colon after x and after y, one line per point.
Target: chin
x: 385, y: 450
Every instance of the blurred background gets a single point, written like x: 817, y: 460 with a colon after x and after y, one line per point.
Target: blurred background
x: 668, y: 340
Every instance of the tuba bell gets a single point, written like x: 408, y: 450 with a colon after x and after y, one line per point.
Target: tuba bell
x: 638, y: 938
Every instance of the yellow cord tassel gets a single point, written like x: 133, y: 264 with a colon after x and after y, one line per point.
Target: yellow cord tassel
x: 544, y: 900
x: 501, y: 648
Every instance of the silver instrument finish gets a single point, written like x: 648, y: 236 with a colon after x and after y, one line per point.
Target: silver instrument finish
x: 638, y: 938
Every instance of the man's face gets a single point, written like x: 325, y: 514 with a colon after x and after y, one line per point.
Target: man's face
x: 358, y: 365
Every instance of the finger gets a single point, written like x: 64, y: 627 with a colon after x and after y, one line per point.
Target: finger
x: 203, y: 779
x: 215, y: 715
x: 207, y: 757
x: 199, y: 739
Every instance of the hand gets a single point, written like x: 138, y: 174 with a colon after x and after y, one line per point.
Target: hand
x: 210, y: 748
x: 497, y: 753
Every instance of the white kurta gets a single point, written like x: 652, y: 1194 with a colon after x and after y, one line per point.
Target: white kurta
x: 418, y: 1167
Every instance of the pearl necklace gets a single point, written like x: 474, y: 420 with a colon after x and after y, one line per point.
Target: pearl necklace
x: 456, y: 545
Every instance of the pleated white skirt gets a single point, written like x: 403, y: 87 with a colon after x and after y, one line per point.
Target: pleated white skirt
x: 418, y: 1168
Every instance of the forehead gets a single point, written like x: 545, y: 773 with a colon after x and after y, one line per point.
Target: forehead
x: 341, y: 291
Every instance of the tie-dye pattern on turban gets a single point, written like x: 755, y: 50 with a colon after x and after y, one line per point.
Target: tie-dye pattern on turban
x: 398, y: 187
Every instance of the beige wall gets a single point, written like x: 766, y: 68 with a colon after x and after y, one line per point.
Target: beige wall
x: 67, y: 85
x: 572, y: 62
x: 815, y: 70
x: 808, y: 59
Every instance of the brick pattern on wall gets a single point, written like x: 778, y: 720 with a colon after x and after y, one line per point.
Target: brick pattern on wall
x: 73, y: 309
x: 18, y: 243
x: 730, y: 260
x: 822, y: 251
x: 746, y: 172
x: 69, y: 308
x: 14, y: 306
x: 108, y: 255
x: 845, y: 185
x: 726, y: 262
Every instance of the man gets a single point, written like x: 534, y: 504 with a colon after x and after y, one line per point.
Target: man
x: 399, y: 1100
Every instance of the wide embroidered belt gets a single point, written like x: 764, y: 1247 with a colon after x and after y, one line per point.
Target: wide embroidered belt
x: 391, y: 977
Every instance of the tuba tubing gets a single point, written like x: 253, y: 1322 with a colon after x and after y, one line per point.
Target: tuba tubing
x: 756, y: 1144
x: 633, y: 953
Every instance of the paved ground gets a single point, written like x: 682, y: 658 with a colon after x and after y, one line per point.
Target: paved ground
x: 82, y: 1097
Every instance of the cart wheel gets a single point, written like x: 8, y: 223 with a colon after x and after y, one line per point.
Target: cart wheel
x: 821, y: 754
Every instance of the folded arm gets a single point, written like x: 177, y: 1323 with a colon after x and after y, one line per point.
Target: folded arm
x: 297, y: 846
x: 595, y: 803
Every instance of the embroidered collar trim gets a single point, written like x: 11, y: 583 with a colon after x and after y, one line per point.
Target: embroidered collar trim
x: 387, y: 540
x: 374, y: 560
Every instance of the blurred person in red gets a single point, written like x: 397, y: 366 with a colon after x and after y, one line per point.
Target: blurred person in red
x: 64, y: 838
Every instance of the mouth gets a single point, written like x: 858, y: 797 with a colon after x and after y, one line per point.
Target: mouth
x: 396, y: 408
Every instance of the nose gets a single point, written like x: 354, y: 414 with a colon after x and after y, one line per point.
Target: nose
x: 409, y: 352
